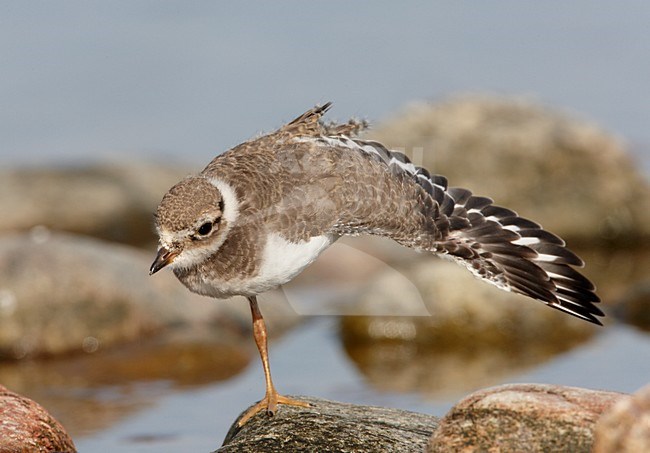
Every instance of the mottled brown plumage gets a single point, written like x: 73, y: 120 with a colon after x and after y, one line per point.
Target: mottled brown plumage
x: 261, y: 212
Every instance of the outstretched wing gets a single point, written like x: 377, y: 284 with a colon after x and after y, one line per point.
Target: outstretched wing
x: 499, y: 246
x: 493, y: 242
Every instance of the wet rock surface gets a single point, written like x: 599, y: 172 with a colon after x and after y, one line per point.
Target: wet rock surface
x: 329, y: 426
x: 27, y: 426
x: 524, y: 417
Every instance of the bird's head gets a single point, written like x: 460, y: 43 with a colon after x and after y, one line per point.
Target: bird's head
x: 192, y: 222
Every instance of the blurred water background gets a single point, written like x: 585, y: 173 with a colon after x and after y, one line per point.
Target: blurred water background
x: 116, y: 100
x: 89, y: 80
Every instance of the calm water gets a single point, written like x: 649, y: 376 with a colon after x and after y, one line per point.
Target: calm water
x: 310, y: 360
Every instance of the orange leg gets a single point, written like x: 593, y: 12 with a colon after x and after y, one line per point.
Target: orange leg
x: 272, y: 398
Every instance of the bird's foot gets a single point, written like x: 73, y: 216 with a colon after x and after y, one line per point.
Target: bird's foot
x: 270, y: 404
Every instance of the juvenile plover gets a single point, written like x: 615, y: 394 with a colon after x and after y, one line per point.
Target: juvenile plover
x: 261, y: 212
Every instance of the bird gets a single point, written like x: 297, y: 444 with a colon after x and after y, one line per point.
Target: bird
x: 261, y: 212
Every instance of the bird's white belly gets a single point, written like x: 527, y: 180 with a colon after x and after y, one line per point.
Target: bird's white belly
x: 281, y: 261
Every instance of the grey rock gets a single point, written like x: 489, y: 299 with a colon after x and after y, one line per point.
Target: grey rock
x: 62, y: 293
x: 523, y: 417
x: 329, y: 426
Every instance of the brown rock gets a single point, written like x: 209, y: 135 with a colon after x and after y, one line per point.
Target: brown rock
x: 625, y: 426
x: 25, y: 426
x: 329, y: 426
x: 567, y: 174
x: 523, y: 417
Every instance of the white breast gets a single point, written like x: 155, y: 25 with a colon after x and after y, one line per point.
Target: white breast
x: 283, y: 260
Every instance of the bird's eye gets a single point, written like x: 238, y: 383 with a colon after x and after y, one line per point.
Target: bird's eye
x: 205, y: 228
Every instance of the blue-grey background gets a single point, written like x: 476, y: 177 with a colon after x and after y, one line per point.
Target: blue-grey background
x: 83, y: 80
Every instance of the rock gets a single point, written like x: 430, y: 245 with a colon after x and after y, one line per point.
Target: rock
x: 27, y: 426
x: 114, y: 202
x: 471, y: 334
x: 625, y: 426
x: 61, y: 293
x: 330, y: 426
x: 524, y: 417
x: 567, y: 174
